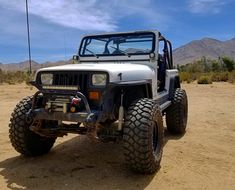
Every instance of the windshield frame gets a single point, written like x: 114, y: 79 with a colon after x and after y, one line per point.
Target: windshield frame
x: 117, y: 35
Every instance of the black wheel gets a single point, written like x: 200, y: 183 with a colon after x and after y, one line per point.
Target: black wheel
x: 22, y: 138
x: 143, y: 136
x: 177, y: 113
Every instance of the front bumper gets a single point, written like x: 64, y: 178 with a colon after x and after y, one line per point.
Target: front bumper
x: 43, y: 114
x: 87, y: 116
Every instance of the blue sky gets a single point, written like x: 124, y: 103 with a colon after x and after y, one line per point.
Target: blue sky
x: 58, y: 25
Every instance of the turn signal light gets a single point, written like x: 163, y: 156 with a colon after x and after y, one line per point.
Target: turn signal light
x: 94, y: 95
x: 72, y: 109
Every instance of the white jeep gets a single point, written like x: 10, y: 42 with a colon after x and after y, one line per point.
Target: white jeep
x: 120, y: 87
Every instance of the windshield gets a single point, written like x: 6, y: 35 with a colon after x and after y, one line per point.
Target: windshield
x: 118, y: 44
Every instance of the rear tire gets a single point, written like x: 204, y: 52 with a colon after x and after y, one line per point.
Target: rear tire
x: 22, y: 138
x: 177, y: 113
x: 143, y: 136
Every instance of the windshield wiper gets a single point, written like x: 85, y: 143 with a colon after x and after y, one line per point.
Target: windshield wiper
x: 92, y: 53
x: 120, y: 51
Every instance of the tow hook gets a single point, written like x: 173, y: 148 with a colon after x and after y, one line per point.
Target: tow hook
x: 91, y: 118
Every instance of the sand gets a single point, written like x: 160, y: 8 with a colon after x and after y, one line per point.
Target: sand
x: 204, y: 158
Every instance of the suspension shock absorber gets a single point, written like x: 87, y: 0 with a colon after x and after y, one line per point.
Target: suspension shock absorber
x: 120, y: 114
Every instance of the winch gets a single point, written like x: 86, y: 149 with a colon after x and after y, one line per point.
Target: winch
x: 65, y: 104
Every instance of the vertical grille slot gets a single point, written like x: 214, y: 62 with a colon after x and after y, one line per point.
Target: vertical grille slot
x: 71, y: 79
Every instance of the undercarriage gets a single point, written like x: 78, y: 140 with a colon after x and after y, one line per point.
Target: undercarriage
x: 59, y: 114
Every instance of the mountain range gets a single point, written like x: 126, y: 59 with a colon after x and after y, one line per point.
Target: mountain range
x: 208, y: 47
x: 192, y: 51
x: 35, y: 66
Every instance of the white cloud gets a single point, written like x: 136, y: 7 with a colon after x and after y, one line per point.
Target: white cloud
x: 207, y: 6
x: 93, y: 15
x: 56, y: 25
x: 76, y: 14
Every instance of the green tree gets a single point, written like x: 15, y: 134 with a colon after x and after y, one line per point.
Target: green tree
x: 229, y: 63
x: 216, y: 67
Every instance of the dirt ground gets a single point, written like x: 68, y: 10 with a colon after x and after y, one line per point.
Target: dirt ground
x: 204, y: 158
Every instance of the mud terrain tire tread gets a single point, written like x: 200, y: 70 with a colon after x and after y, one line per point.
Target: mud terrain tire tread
x: 22, y: 138
x: 177, y: 113
x: 140, y: 120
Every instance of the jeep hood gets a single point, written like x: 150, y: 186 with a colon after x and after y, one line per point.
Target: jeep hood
x: 130, y: 71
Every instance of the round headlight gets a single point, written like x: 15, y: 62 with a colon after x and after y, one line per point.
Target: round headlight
x: 99, y: 79
x: 47, y: 79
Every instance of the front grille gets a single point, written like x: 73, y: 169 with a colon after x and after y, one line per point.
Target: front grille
x: 71, y: 79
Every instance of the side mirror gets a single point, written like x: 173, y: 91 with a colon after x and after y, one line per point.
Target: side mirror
x: 33, y: 83
x: 75, y: 59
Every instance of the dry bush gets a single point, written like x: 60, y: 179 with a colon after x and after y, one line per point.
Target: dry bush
x: 205, y: 79
x: 231, y: 77
x: 220, y: 77
x: 14, y: 77
x: 189, y: 77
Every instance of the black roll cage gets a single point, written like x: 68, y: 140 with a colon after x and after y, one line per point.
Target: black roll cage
x: 168, y: 59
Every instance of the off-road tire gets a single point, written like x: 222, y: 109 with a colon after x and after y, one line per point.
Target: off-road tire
x: 177, y: 113
x: 143, y: 136
x: 22, y: 138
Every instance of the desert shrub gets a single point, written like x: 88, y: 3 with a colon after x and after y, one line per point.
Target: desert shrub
x: 220, y: 77
x: 195, y: 76
x: 231, y: 77
x: 14, y: 77
x: 216, y: 66
x: 206, y: 65
x: 189, y: 77
x: 204, y: 80
x: 206, y: 70
x: 185, y: 76
x: 27, y: 79
x: 229, y: 63
x: 11, y: 82
x: 224, y: 76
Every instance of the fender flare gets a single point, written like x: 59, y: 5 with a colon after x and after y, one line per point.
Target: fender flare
x: 174, y: 83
